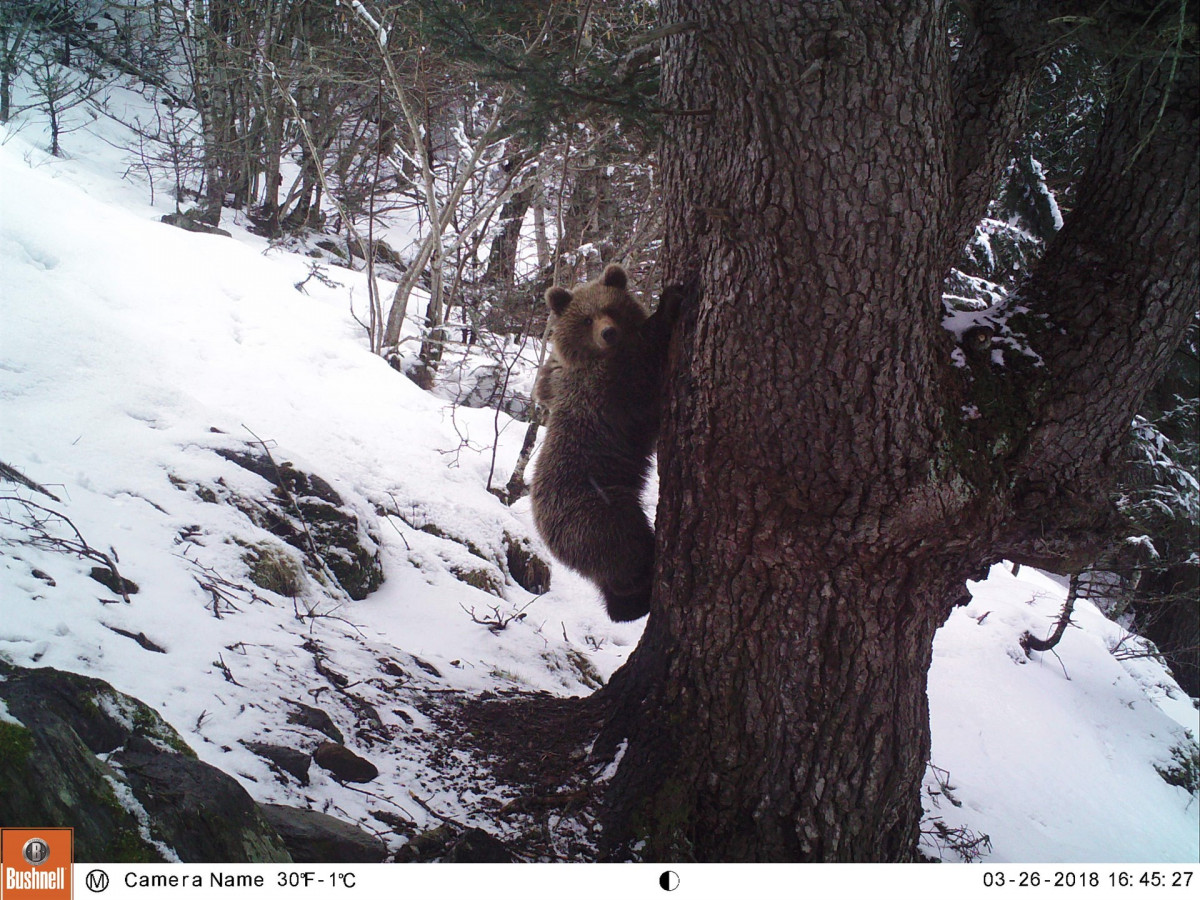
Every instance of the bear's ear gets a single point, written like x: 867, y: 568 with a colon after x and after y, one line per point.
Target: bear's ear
x: 615, y: 277
x: 559, y: 299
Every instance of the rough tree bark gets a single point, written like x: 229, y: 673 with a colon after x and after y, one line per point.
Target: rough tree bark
x: 829, y: 478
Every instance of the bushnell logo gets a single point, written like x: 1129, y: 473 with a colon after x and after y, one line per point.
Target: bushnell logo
x: 35, y: 863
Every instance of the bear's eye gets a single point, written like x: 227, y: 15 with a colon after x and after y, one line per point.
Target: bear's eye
x: 587, y: 320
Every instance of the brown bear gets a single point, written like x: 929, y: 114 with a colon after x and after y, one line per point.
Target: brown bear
x: 601, y: 383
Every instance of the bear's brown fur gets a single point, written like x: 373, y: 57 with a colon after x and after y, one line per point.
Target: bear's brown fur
x: 602, y: 383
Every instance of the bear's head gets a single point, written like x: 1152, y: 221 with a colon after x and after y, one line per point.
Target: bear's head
x: 596, y: 319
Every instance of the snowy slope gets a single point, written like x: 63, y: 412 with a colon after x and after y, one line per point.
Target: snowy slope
x: 124, y: 343
x: 1054, y: 757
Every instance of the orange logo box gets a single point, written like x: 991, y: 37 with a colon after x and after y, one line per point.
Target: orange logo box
x: 35, y: 863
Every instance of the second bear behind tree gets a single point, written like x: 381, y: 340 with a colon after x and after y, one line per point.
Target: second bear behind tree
x: 602, y: 383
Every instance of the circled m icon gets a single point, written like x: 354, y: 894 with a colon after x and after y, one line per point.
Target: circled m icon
x: 96, y: 881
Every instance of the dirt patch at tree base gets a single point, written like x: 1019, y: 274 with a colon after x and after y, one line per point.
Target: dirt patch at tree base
x: 537, y: 748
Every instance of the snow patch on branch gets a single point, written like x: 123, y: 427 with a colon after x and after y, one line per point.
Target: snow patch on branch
x: 959, y: 321
x: 381, y: 33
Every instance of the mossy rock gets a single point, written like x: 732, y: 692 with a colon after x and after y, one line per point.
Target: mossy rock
x: 16, y: 743
x: 437, y: 531
x: 1184, y: 772
x: 484, y: 579
x: 307, y: 513
x: 51, y: 777
x: 148, y: 800
x: 273, y: 569
x: 196, y: 809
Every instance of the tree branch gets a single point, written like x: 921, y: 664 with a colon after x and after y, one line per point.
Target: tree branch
x: 1030, y: 642
x: 1107, y: 305
x: 1005, y: 44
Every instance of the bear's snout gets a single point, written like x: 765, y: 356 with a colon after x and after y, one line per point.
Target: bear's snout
x: 605, y: 332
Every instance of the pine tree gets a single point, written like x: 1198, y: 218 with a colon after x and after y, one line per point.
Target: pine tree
x: 829, y: 477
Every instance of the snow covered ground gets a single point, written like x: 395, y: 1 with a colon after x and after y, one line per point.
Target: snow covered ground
x: 131, y: 350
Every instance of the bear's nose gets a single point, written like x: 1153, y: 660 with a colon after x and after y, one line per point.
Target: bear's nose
x: 609, y: 335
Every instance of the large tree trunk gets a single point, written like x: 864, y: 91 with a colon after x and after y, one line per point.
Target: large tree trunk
x: 823, y: 496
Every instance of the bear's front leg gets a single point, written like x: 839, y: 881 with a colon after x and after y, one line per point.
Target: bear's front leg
x: 675, y: 298
x: 544, y: 387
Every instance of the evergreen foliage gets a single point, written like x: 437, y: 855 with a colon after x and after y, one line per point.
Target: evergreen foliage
x: 568, y: 63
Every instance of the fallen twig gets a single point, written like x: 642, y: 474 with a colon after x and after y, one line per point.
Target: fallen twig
x: 39, y: 535
x: 8, y: 473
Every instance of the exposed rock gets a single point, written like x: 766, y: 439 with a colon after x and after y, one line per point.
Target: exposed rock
x: 383, y: 252
x: 42, y: 576
x: 313, y: 837
x: 294, y: 762
x: 588, y: 673
x: 366, y: 715
x: 78, y: 702
x: 527, y: 569
x: 437, y: 531
x: 343, y: 763
x: 396, y: 822
x: 480, y: 578
x: 1184, y: 770
x: 428, y: 845
x: 477, y: 846
x: 112, y: 581
x: 418, y: 372
x: 452, y: 845
x: 150, y: 800
x: 491, y: 390
x: 391, y: 667
x: 188, y: 223
x: 427, y: 667
x: 316, y: 719
x: 311, y: 516
x: 322, y: 664
x: 523, y: 565
x: 49, y: 777
x: 196, y: 809
x: 333, y: 247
